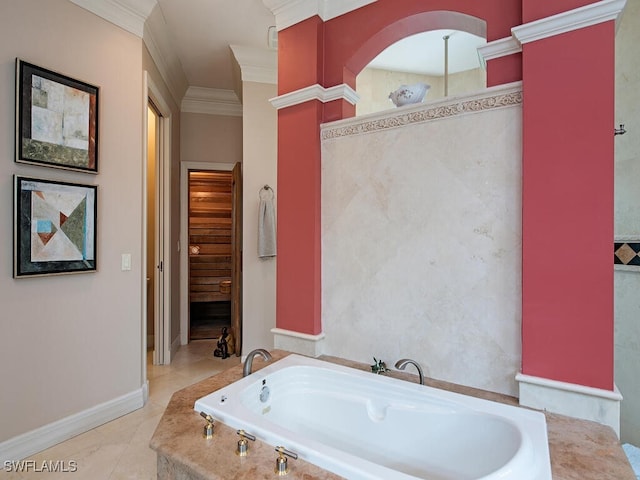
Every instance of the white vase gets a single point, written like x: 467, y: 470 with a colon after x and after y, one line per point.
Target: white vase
x: 407, y: 94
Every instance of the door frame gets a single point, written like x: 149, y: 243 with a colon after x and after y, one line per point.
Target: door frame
x: 185, y: 166
x: 162, y: 292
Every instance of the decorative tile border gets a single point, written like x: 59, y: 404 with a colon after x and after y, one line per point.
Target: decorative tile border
x: 626, y: 253
x: 489, y: 99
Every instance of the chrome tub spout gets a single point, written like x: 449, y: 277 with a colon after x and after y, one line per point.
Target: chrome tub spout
x: 266, y: 356
x: 401, y: 364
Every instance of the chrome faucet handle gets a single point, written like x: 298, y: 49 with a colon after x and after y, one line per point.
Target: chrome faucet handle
x: 208, y: 428
x: 243, y: 445
x: 281, y: 462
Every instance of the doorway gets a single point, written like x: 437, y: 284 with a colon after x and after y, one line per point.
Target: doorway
x: 210, y: 202
x: 152, y: 160
x: 211, y: 265
x: 156, y: 274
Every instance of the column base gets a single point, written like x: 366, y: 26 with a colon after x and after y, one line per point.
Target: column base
x: 578, y: 401
x: 302, y: 343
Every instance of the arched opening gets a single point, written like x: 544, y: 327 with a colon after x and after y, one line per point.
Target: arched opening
x: 438, y: 48
x: 445, y: 60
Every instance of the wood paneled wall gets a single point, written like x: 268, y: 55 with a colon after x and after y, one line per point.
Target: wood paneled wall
x: 209, y: 235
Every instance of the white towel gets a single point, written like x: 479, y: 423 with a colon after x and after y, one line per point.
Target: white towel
x: 266, y: 224
x: 633, y: 454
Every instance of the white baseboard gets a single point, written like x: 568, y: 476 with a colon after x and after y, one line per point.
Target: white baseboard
x: 29, y: 443
x: 578, y: 401
x: 296, y: 342
x: 145, y: 392
x: 175, y: 346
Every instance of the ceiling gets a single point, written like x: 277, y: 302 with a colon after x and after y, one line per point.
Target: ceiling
x: 203, y: 30
x: 197, y: 35
x: 425, y: 53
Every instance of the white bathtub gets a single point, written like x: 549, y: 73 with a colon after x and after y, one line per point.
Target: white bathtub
x: 365, y: 426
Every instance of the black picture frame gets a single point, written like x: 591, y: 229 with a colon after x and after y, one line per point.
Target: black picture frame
x: 54, y: 227
x: 56, y: 119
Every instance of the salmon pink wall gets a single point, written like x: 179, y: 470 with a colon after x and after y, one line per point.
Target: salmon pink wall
x: 568, y: 168
x: 354, y: 39
x: 568, y: 182
x: 535, y: 9
x: 298, y: 268
x: 332, y: 53
x: 300, y: 55
x: 504, y: 70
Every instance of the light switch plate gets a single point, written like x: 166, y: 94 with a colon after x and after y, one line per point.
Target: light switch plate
x: 126, y: 262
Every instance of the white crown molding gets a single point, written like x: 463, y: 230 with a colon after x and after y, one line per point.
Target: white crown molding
x: 290, y: 12
x: 158, y: 42
x: 316, y: 92
x: 499, y: 48
x: 127, y: 14
x: 211, y: 101
x: 335, y: 8
x: 136, y: 17
x: 257, y: 64
x: 582, y: 17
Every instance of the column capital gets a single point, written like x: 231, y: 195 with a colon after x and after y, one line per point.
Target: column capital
x: 564, y: 22
x: 290, y: 12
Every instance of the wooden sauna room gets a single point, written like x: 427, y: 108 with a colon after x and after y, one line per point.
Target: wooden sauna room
x: 210, y: 252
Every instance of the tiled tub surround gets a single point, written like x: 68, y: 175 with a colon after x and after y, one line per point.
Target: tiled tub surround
x: 579, y: 449
x: 421, y: 237
x: 363, y: 426
x: 626, y: 253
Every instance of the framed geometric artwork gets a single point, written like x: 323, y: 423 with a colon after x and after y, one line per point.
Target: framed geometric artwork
x: 56, y: 119
x: 54, y: 227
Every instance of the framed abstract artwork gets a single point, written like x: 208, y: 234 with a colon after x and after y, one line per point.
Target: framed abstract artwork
x: 54, y: 227
x: 56, y: 119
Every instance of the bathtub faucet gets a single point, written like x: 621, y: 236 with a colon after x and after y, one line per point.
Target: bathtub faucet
x: 266, y: 356
x: 401, y: 364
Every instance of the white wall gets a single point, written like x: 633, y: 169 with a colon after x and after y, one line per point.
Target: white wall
x: 627, y: 220
x: 210, y: 138
x: 72, y: 342
x: 173, y: 113
x: 421, y: 239
x: 259, y: 168
x: 252, y: 140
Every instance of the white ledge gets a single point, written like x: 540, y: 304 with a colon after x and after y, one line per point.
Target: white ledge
x: 569, y: 387
x: 500, y: 96
x: 627, y: 238
x: 577, y: 401
x: 316, y: 92
x: 303, y: 343
x: 578, y: 18
x: 291, y: 333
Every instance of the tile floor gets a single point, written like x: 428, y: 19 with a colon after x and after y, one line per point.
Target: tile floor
x: 119, y: 449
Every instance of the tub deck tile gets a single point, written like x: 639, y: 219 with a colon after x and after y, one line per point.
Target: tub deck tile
x: 579, y: 449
